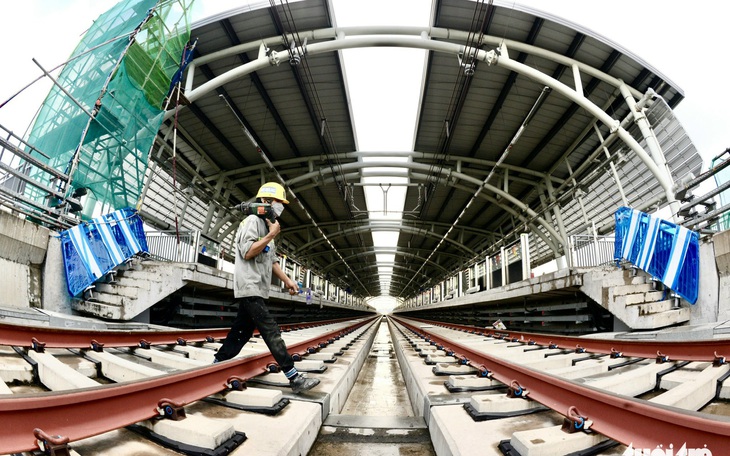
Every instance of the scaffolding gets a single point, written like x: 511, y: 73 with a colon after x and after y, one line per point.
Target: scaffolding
x: 100, y: 119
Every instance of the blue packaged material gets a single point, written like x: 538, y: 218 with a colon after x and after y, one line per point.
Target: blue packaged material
x: 94, y: 248
x: 663, y: 249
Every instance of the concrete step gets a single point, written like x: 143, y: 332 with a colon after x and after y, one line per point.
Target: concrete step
x: 623, y: 290
x: 99, y: 309
x: 661, y: 319
x: 106, y: 289
x: 131, y: 276
x: 127, y: 281
x: 111, y: 298
x: 650, y: 308
x: 638, y: 298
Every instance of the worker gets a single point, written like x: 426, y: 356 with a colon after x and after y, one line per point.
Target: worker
x: 256, y: 260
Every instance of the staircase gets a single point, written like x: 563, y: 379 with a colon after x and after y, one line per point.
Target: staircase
x: 142, y: 283
x: 632, y: 297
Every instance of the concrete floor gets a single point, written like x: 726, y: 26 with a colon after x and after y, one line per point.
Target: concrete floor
x: 378, y: 397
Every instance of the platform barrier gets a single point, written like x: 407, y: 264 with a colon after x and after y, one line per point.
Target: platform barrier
x: 94, y: 248
x: 663, y: 249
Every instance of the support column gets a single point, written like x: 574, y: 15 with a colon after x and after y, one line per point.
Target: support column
x: 651, y: 141
x: 505, y: 270
x: 613, y: 167
x: 487, y: 274
x: 559, y: 216
x: 525, y: 250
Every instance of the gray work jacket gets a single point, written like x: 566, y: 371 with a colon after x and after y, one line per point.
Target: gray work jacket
x: 253, y: 277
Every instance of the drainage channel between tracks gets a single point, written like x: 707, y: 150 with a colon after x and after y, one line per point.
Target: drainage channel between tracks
x: 377, y: 418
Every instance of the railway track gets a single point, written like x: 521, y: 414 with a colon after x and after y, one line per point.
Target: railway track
x: 496, y: 392
x: 608, y: 393
x: 136, y: 376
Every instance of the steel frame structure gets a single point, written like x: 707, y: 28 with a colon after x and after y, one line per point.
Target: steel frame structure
x: 547, y: 223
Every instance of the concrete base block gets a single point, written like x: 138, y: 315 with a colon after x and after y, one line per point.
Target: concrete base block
x: 693, y: 394
x: 193, y: 430
x: 199, y: 354
x: 551, y: 441
x: 253, y: 397
x: 290, y: 433
x: 434, y: 359
x: 57, y: 376
x: 454, y: 369
x: 321, y: 357
x: 172, y: 360
x: 630, y: 383
x: 271, y: 378
x: 309, y: 366
x: 431, y: 352
x: 500, y: 403
x: 13, y: 367
x: 454, y: 432
x: 120, y: 369
x: 472, y: 381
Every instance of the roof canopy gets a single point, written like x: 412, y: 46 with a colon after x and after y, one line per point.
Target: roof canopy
x: 523, y: 126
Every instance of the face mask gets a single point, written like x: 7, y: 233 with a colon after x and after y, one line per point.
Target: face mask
x: 277, y: 207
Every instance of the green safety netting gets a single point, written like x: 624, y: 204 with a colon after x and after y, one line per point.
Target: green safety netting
x: 99, y: 129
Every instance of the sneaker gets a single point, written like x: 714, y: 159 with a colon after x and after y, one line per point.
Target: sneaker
x: 302, y: 383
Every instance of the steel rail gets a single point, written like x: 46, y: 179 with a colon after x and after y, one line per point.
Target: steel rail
x: 628, y: 420
x: 91, y: 411
x: 691, y: 350
x: 22, y: 336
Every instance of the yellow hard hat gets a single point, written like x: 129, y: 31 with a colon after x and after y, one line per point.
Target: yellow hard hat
x: 272, y: 190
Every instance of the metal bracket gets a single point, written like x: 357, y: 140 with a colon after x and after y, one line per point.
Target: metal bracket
x: 236, y: 383
x: 719, y: 360
x: 615, y: 125
x: 515, y: 390
x: 467, y: 60
x: 574, y: 422
x: 273, y: 57
x: 97, y: 346
x: 37, y: 345
x: 171, y: 410
x: 661, y: 358
x: 484, y: 372
x: 53, y: 445
x: 297, y: 53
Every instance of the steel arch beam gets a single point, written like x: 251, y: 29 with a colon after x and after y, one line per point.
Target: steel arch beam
x: 398, y: 228
x: 415, y: 37
x: 526, y: 215
x: 381, y: 252
x: 415, y: 224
